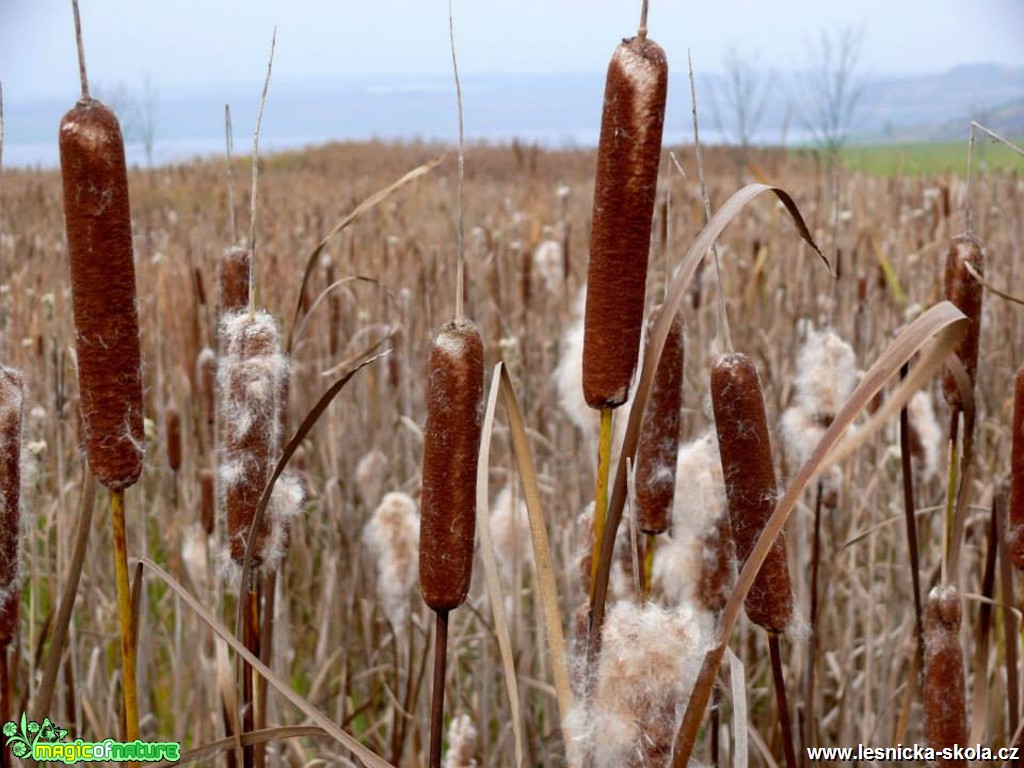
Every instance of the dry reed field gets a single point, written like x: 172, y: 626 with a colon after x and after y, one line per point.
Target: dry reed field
x: 328, y: 592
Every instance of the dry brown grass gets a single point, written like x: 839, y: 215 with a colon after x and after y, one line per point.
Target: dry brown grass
x: 332, y: 640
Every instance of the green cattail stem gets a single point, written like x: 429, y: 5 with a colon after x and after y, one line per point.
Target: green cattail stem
x: 604, y: 452
x: 124, y: 614
x: 647, y: 572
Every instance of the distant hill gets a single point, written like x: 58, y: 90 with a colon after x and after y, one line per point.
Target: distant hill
x: 558, y: 110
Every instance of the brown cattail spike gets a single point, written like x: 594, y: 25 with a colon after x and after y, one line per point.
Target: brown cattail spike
x: 207, y: 500
x: 250, y: 380
x: 627, y: 176
x: 173, y: 427
x: 11, y: 410
x: 659, y: 436
x: 1015, y: 534
x: 750, y: 485
x: 945, y: 697
x: 964, y: 290
x: 98, y: 222
x: 451, y: 447
x: 233, y: 280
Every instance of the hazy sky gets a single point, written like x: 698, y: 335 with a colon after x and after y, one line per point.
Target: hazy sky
x: 176, y: 43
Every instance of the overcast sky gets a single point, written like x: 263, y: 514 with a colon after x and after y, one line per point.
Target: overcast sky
x: 185, y: 43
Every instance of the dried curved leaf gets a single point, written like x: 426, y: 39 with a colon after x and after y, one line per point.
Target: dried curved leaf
x: 943, y: 325
x: 483, y: 525
x: 297, y: 332
x: 546, y: 582
x: 324, y: 722
x: 368, y: 204
x: 262, y: 736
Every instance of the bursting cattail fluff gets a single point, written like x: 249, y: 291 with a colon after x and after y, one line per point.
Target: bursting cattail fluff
x: 626, y: 180
x: 648, y: 662
x: 510, y: 529
x: 750, y: 485
x: 966, y: 293
x: 826, y: 374
x: 11, y: 412
x: 695, y: 564
x: 98, y: 221
x: 945, y: 697
x: 659, y: 435
x: 455, y: 389
x: 250, y: 376
x: 461, y: 743
x: 393, y: 535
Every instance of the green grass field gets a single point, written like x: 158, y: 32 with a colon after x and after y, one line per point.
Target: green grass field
x: 927, y: 157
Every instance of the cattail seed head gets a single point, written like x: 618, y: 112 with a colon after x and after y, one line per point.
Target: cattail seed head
x: 233, y: 280
x: 1015, y: 533
x: 392, y: 535
x: 750, y: 485
x: 451, y: 446
x: 659, y: 435
x: 249, y: 381
x: 966, y: 293
x: 11, y: 413
x: 206, y: 383
x: 624, y: 194
x: 945, y: 697
x: 172, y: 426
x: 648, y: 660
x: 207, y: 500
x: 98, y: 222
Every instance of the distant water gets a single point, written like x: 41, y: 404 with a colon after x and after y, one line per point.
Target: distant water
x: 561, y: 111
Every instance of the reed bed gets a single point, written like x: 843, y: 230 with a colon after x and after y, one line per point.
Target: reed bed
x: 359, y: 650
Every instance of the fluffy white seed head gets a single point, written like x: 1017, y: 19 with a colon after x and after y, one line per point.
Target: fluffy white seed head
x: 393, y: 536
x: 547, y: 262
x: 510, y: 529
x: 461, y: 743
x: 699, y: 504
x: 826, y: 374
x: 926, y: 435
x: 649, y: 660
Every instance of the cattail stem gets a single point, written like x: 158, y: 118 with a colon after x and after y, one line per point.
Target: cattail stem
x: 812, y: 645
x: 604, y: 452
x: 647, y: 572
x: 251, y: 597
x: 460, y: 271
x: 5, y: 702
x: 951, y: 486
x: 255, y: 175
x: 780, y: 699
x: 713, y: 722
x: 723, y: 315
x: 642, y: 30
x: 909, y: 508
x: 229, y: 145
x: 81, y: 51
x: 437, y: 694
x: 968, y: 211
x: 124, y: 613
